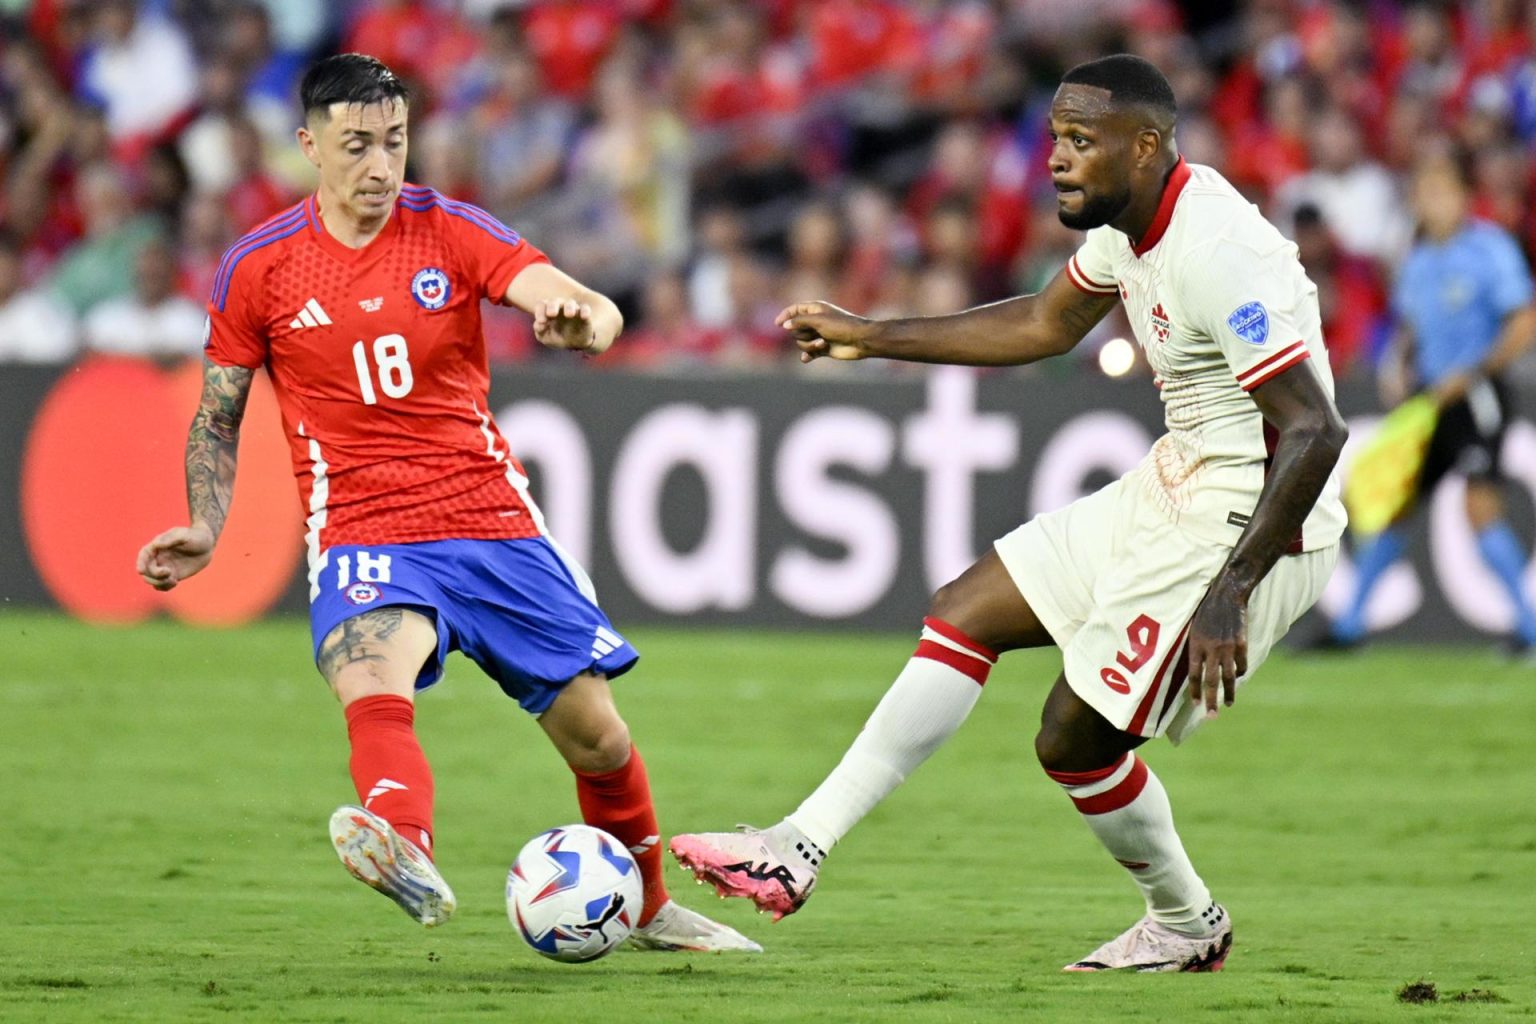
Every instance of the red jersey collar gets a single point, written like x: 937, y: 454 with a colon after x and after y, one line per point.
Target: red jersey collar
x: 338, y: 249
x: 1159, y: 226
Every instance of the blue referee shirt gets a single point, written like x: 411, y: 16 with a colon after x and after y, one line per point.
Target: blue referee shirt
x: 1454, y: 296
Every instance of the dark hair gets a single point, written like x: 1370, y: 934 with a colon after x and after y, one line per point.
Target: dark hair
x: 349, y: 78
x: 1128, y: 79
x: 1308, y: 216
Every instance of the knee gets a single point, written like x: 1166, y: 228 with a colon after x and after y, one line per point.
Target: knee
x: 1051, y: 748
x: 368, y: 678
x: 601, y: 749
x: 949, y: 604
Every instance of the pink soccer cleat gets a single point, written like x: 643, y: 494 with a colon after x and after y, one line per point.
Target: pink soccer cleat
x: 776, y: 872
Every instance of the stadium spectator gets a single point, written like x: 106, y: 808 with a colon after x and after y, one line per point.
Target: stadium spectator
x: 1269, y: 150
x: 668, y: 339
x: 523, y: 135
x: 1431, y: 65
x: 269, y: 73
x: 140, y: 68
x: 983, y: 174
x: 163, y: 185
x: 881, y: 239
x: 623, y: 207
x: 429, y: 42
x: 569, y: 39
x: 34, y: 326
x: 100, y: 265
x: 203, y: 236
x: 156, y: 321
x: 253, y: 194
x: 204, y: 142
x: 1357, y: 196
x: 719, y: 252
x: 816, y: 253
x: 1349, y: 292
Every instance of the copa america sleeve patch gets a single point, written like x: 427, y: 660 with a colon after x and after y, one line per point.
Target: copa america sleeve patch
x: 1250, y: 322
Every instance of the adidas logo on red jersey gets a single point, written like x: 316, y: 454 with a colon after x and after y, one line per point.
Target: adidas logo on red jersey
x: 310, y: 316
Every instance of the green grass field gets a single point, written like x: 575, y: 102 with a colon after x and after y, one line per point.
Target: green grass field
x: 1370, y: 821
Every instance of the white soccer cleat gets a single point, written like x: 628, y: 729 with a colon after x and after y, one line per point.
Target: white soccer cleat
x: 770, y: 867
x: 1149, y: 946
x: 379, y: 857
x: 675, y: 928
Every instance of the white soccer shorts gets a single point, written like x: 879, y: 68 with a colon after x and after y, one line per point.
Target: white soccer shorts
x: 1116, y: 584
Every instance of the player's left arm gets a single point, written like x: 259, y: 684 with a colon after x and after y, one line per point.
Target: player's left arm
x: 1311, y: 436
x: 566, y: 313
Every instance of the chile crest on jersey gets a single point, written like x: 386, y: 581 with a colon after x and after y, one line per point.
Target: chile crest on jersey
x: 430, y: 288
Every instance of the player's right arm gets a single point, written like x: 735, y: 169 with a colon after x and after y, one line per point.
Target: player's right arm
x: 1007, y: 333
x: 213, y: 443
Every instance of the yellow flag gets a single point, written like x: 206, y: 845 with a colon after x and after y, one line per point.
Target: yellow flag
x: 1381, y: 479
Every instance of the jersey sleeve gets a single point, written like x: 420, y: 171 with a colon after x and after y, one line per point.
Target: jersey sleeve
x: 1092, y: 267
x: 232, y: 333
x: 493, y: 253
x: 1248, y: 302
x: 1508, y: 277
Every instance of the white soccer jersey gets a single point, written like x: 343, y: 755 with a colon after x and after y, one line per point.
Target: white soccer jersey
x: 1220, y: 304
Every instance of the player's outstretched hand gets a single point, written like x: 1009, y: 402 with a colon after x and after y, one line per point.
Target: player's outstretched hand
x: 174, y: 555
x: 566, y: 323
x: 1218, y: 647
x: 822, y: 329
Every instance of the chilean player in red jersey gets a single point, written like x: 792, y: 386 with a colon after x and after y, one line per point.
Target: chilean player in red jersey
x: 363, y: 303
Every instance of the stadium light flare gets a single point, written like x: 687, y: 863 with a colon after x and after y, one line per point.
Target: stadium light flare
x: 1116, y: 357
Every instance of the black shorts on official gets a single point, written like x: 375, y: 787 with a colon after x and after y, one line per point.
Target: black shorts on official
x: 1468, y: 437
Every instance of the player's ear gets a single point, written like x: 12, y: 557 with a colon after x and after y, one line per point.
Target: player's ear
x: 308, y: 144
x: 1149, y: 143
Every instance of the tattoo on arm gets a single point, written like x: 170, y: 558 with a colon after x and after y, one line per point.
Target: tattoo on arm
x: 358, y: 639
x: 1082, y: 317
x: 213, y: 443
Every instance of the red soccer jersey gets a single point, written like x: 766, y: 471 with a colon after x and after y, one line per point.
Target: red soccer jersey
x: 379, y: 367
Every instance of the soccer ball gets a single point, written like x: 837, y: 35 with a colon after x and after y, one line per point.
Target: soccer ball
x: 574, y: 893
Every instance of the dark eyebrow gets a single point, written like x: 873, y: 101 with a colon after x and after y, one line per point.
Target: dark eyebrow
x: 363, y: 133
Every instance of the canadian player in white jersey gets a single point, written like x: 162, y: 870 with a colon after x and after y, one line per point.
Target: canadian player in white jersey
x: 1164, y: 590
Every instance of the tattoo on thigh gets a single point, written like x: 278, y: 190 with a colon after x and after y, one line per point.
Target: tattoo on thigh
x: 358, y: 639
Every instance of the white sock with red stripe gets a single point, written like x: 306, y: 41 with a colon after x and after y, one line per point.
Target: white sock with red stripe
x: 1127, y: 808
x: 924, y: 706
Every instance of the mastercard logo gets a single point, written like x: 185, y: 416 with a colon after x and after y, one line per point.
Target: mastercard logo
x: 103, y: 472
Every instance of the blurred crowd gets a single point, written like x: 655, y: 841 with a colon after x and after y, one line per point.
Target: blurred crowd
x: 706, y: 161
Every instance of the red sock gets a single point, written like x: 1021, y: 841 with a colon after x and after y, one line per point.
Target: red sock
x: 390, y: 771
x: 619, y: 803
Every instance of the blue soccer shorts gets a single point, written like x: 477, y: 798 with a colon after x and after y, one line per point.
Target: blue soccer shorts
x: 520, y: 609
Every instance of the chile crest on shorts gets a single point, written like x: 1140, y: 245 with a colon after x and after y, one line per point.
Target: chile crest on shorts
x: 1250, y: 322
x: 430, y: 288
x: 363, y: 593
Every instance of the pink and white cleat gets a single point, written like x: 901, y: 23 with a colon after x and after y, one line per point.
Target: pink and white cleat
x: 774, y: 868
x: 1149, y: 946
